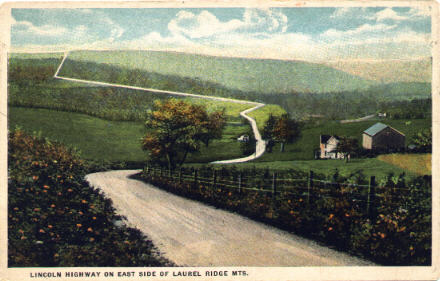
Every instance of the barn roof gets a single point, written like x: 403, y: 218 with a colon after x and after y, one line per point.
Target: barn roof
x: 376, y: 128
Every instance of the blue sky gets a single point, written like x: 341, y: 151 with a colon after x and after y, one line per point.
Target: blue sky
x: 313, y: 34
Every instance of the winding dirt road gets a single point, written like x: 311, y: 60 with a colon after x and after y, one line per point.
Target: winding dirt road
x: 260, y: 143
x: 193, y: 234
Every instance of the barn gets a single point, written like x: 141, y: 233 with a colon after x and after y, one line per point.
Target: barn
x: 382, y: 137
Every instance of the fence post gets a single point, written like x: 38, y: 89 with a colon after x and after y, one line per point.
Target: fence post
x: 180, y: 176
x: 195, y: 177
x: 309, y: 186
x: 274, y: 185
x: 239, y: 182
x: 214, y: 178
x: 371, y: 197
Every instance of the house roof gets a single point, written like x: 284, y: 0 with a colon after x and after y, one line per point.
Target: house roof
x: 326, y: 138
x: 376, y: 128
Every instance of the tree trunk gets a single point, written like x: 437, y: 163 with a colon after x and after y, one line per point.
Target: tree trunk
x: 184, y: 157
x: 169, y: 159
x: 282, y: 147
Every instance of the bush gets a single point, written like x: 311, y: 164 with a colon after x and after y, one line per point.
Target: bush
x: 396, y: 231
x: 56, y: 219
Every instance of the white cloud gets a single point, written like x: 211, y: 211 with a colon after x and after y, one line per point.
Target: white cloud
x: 44, y: 30
x: 388, y: 14
x: 364, y: 30
x: 96, y: 27
x: 204, y: 24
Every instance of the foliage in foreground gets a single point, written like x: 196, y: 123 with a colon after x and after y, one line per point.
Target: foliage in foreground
x: 397, y: 231
x: 56, y: 219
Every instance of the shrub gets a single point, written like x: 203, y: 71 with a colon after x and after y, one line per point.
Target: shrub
x: 56, y: 219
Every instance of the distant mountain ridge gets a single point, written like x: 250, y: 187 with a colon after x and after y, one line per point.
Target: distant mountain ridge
x: 255, y: 75
x: 388, y: 71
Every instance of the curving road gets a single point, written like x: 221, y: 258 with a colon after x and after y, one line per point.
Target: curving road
x: 190, y: 233
x: 260, y: 143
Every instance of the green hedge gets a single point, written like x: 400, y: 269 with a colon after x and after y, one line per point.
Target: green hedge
x: 396, y: 232
x: 56, y: 219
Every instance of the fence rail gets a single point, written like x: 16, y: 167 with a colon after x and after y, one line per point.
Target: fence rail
x: 309, y: 188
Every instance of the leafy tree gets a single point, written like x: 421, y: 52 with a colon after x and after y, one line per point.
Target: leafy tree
x: 177, y: 128
x: 423, y: 140
x: 286, y: 130
x: 268, y: 131
x: 248, y: 147
x: 347, y: 146
x: 215, y: 125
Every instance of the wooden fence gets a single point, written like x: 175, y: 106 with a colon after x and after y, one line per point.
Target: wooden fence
x: 309, y: 188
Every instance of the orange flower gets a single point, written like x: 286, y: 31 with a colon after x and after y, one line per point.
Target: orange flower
x: 16, y: 209
x: 23, y: 237
x: 330, y: 228
x: 21, y: 231
x: 46, y: 187
x: 89, y: 229
x: 52, y: 206
x: 81, y: 213
x: 382, y: 235
x: 289, y: 201
x: 94, y: 218
x: 331, y: 216
x: 59, y: 194
x: 230, y: 193
x: 91, y: 239
x: 69, y: 190
x: 35, y: 178
x: 36, y: 209
x: 83, y: 201
x: 45, y: 191
x: 49, y: 226
x: 42, y: 231
x: 291, y: 212
x: 347, y: 215
x: 78, y: 225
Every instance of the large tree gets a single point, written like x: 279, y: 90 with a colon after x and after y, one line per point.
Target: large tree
x: 347, y: 146
x: 268, y: 130
x: 423, y: 140
x: 177, y: 128
x: 286, y: 130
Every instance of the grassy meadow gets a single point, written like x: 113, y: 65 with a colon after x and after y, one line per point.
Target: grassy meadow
x: 113, y: 141
x: 419, y: 164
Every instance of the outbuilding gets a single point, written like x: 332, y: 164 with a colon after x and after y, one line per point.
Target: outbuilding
x: 382, y: 137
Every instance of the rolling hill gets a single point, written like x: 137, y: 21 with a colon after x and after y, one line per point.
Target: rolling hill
x: 255, y: 75
x: 388, y: 71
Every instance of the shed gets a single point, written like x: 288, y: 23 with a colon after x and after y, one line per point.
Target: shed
x: 382, y: 137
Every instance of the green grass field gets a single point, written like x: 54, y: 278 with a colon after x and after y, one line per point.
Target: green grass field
x: 259, y: 75
x: 99, y: 139
x: 303, y: 148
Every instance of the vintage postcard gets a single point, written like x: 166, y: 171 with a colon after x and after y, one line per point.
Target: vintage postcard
x: 219, y: 141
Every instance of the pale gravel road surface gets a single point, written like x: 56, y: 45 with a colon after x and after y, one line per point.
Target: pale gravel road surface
x: 193, y: 234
